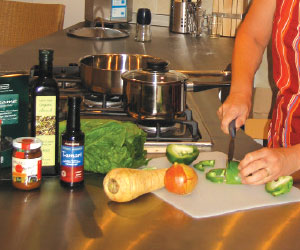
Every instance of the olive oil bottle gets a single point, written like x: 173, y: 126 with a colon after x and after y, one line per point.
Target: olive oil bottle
x: 44, y: 110
x: 72, y: 147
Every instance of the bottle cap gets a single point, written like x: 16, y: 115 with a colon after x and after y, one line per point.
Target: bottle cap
x: 46, y: 54
x: 143, y: 16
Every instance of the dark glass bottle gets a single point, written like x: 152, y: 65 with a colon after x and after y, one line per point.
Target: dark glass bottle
x: 72, y: 147
x: 45, y: 103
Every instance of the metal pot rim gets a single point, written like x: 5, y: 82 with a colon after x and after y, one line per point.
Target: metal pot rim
x: 182, y: 78
x: 110, y: 54
x: 153, y: 83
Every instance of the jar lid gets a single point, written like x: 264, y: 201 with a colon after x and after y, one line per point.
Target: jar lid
x: 156, y: 72
x: 27, y: 143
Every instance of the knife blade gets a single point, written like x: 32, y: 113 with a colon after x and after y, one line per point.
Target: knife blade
x: 232, y: 133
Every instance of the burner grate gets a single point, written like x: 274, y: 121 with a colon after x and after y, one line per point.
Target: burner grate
x: 181, y: 129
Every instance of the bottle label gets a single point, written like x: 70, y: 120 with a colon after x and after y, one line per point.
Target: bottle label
x: 72, y: 163
x: 26, y: 171
x: 45, y: 127
x: 118, y: 9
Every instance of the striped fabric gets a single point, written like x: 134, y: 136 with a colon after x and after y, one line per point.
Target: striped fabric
x: 285, y: 126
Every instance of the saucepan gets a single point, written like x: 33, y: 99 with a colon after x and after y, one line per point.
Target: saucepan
x: 102, y: 73
x: 157, y: 93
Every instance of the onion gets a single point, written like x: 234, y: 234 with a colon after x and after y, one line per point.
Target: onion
x: 180, y: 179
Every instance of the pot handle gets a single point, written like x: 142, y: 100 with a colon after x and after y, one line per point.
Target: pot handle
x: 210, y: 79
x: 196, y: 86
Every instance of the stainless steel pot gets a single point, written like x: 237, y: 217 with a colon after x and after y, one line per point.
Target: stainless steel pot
x: 156, y: 93
x: 102, y: 73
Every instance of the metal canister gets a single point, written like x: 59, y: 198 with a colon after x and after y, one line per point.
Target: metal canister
x: 179, y: 17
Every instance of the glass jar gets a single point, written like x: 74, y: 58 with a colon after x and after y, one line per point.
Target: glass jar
x: 27, y: 163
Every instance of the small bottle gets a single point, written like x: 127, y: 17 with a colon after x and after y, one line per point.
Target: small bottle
x: 44, y: 120
x: 143, y: 28
x: 27, y: 163
x: 72, y: 147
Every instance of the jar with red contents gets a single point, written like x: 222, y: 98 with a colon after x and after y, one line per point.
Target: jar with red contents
x: 27, y: 163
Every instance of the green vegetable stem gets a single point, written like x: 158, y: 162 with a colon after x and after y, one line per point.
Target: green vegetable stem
x: 282, y: 186
x: 181, y: 153
x: 201, y: 165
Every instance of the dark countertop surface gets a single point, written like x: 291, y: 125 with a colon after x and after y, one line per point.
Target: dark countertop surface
x: 56, y: 218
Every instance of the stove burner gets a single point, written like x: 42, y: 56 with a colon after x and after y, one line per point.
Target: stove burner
x: 152, y: 127
x: 180, y: 129
x: 102, y: 100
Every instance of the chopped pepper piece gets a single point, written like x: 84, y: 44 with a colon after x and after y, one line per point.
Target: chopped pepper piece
x: 182, y: 153
x: 216, y: 175
x: 232, y: 173
x: 282, y: 186
x: 201, y: 165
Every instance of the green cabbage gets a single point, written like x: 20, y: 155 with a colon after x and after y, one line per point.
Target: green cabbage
x: 111, y: 144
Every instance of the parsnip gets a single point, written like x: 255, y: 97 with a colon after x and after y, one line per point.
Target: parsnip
x: 126, y: 184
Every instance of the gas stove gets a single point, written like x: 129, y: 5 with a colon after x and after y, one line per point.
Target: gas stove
x: 182, y: 130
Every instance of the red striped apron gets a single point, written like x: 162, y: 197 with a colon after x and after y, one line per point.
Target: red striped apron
x: 285, y: 125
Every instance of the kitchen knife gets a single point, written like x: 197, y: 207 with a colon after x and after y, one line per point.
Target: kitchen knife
x: 232, y: 133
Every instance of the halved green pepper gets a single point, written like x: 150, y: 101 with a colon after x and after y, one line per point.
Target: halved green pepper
x: 181, y: 153
x: 232, y: 173
x: 216, y: 175
x: 282, y: 186
x: 201, y: 165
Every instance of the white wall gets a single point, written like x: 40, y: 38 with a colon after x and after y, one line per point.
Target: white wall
x: 75, y: 8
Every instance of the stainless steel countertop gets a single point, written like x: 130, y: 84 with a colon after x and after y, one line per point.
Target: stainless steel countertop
x: 56, y: 218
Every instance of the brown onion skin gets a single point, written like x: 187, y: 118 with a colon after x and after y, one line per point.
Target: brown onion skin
x: 180, y: 179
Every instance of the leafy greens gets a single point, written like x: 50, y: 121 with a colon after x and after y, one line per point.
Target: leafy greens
x: 111, y: 144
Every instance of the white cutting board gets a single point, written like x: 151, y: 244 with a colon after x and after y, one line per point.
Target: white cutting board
x: 211, y: 199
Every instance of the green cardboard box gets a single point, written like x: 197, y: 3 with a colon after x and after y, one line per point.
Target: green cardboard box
x: 14, y: 100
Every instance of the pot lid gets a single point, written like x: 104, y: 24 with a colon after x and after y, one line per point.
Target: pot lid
x: 156, y: 72
x: 97, y: 33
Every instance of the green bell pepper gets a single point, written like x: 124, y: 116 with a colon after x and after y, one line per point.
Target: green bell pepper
x: 216, y: 175
x: 232, y: 173
x: 229, y: 175
x: 201, y: 165
x: 282, y: 186
x: 179, y: 153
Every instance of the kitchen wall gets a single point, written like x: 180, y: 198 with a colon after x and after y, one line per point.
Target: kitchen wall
x: 75, y: 8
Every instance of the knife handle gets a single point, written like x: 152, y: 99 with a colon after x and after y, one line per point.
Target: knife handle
x: 232, y: 128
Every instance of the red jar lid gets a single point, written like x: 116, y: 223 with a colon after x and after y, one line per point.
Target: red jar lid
x: 27, y: 143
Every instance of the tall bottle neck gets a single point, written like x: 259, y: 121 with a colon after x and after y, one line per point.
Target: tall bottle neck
x: 73, y: 121
x: 46, y: 69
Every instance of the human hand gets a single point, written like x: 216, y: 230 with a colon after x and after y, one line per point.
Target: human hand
x: 236, y: 106
x: 265, y: 165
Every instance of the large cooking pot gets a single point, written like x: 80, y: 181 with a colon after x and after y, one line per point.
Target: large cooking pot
x: 102, y: 73
x: 156, y: 93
